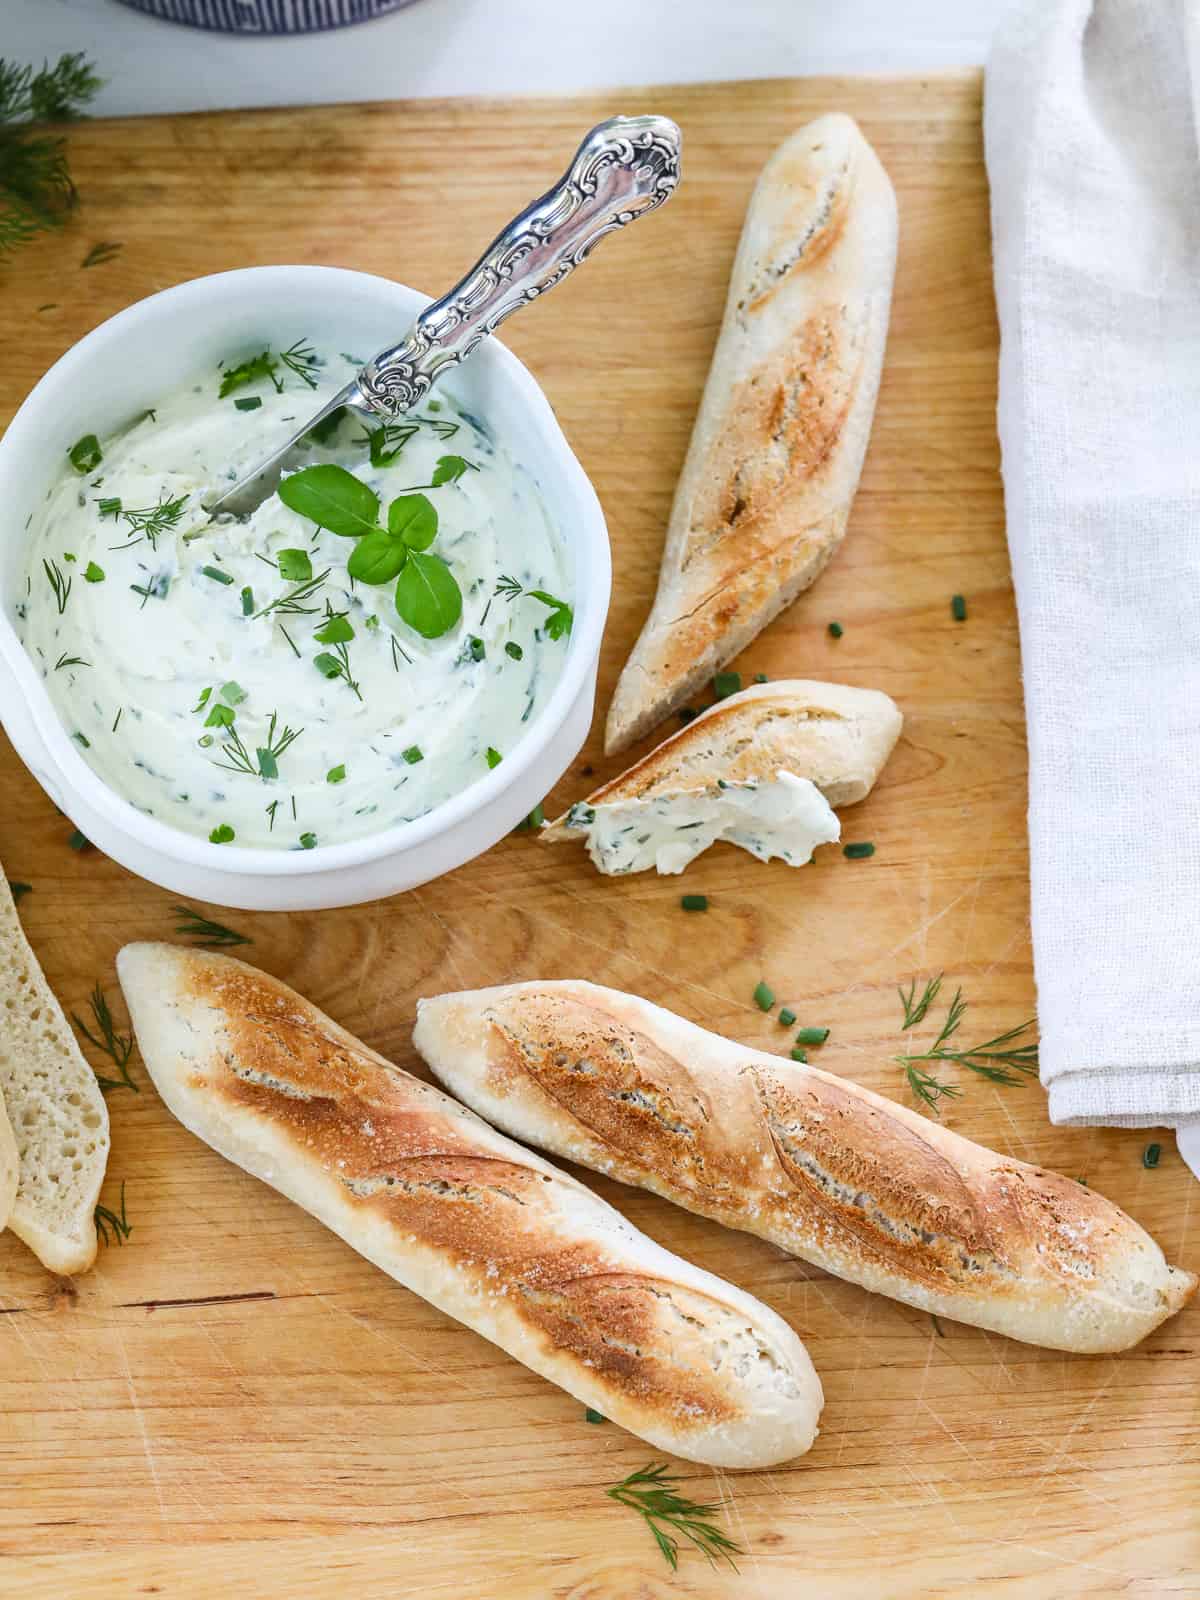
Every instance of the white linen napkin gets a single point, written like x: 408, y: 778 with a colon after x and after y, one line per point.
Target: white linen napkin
x: 1091, y: 137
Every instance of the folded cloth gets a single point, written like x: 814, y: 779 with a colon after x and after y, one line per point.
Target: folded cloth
x: 1091, y: 136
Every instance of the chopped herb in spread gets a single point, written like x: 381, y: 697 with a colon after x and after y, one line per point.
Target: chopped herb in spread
x: 836, y: 630
x: 694, y: 902
x: 726, y: 683
x: 958, y: 608
x: 764, y: 996
x: 858, y: 852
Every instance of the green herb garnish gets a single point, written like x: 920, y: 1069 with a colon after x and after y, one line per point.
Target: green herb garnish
x: 332, y: 498
x: 958, y: 608
x: 797, y: 1054
x: 652, y: 1493
x: 786, y: 1017
x: 36, y: 191
x: 915, y: 1009
x: 812, y: 1035
x: 208, y: 935
x: 836, y: 630
x: 412, y: 755
x: 99, y: 254
x: 514, y: 650
x: 336, y: 774
x: 257, y: 367
x: 299, y: 358
x: 428, y: 597
x: 476, y: 649
x: 79, y: 841
x: 535, y: 820
x: 216, y: 574
x: 336, y: 631
x: 1151, y: 1154
x: 251, y: 402
x: 222, y: 834
x: 764, y: 996
x: 291, y: 604
x: 308, y: 841
x: 117, y: 1046
x: 591, y: 1415
x: 232, y: 693
x: 65, y: 660
x: 450, y: 469
x: 295, y: 566
x: 247, y: 601
x: 726, y: 683
x: 60, y: 586
x: 858, y: 852
x: 109, y: 506
x: 150, y: 521
x: 265, y: 761
x: 106, y: 1219
x: 561, y: 618
x: 999, y: 1059
x: 92, y: 573
x: 494, y: 758
x: 694, y: 902
x: 19, y: 890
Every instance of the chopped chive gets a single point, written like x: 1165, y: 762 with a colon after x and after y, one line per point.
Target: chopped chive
x: 764, y: 996
x: 858, y: 852
x: 958, y: 608
x: 694, y: 902
x: 1151, y: 1154
x: 289, y: 639
x: 85, y: 454
x: 82, y: 739
x: 92, y: 573
x: 232, y: 693
x: 336, y: 774
x: 110, y: 506
x: 247, y: 601
x: 593, y: 1416
x: 799, y: 1055
x: 117, y: 719
x: 79, y: 841
x: 514, y: 650
x: 494, y: 758
x: 535, y: 820
x: 250, y: 403
x: 786, y: 1017
x: 328, y: 666
x: 726, y: 683
x: 412, y: 755
x: 476, y: 648
x: 836, y: 630
x: 18, y: 890
x: 308, y: 841
x: 761, y: 677
x: 812, y: 1035
x: 688, y: 714
x: 221, y: 834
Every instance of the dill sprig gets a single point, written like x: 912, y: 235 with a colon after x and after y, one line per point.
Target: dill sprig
x: 1000, y: 1059
x: 265, y: 761
x: 36, y: 191
x: 205, y: 933
x: 300, y: 358
x: 117, y: 1046
x: 106, y: 1219
x: 100, y: 253
x: 562, y: 616
x: 58, y: 583
x: 653, y: 1495
x: 65, y: 660
x: 290, y: 604
x: 147, y: 522
x: 914, y: 1010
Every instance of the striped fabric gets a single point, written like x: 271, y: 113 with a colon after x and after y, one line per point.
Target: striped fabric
x: 265, y: 17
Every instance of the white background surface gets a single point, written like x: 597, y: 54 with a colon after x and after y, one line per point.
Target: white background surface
x: 446, y: 47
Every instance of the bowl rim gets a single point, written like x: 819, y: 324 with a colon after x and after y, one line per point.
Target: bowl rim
x: 586, y: 535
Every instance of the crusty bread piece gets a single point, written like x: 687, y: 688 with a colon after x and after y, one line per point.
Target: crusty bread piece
x: 484, y: 1230
x: 55, y: 1106
x: 835, y: 736
x: 858, y: 1185
x: 10, y: 1167
x: 783, y: 425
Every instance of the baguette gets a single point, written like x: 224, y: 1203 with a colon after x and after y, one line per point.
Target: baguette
x: 478, y: 1226
x: 839, y: 1176
x: 760, y: 769
x: 782, y: 429
x: 55, y: 1107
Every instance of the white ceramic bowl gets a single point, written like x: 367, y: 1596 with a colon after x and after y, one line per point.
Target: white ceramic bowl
x: 118, y: 371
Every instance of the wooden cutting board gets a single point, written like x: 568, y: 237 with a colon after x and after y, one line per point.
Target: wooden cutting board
x: 235, y: 1402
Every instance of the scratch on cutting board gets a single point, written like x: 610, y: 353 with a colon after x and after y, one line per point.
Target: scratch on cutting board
x: 860, y: 1346
x: 139, y: 1417
x: 1035, y: 1501
x: 451, y: 940
x: 980, y: 879
x: 728, y: 1502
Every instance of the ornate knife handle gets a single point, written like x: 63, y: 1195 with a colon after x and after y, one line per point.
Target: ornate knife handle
x: 624, y: 168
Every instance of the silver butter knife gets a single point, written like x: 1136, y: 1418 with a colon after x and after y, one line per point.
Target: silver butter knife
x: 624, y: 168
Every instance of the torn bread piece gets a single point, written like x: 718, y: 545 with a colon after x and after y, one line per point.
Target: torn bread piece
x: 10, y: 1167
x: 483, y: 1229
x: 761, y: 769
x: 58, y: 1115
x: 830, y: 1172
x: 783, y: 425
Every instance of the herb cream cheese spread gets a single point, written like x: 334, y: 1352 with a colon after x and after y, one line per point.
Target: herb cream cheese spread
x: 270, y: 681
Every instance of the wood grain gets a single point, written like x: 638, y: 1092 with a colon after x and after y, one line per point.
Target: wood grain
x: 233, y: 1401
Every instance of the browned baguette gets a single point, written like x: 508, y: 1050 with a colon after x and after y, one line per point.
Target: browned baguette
x: 861, y: 1186
x: 782, y: 429
x: 477, y: 1225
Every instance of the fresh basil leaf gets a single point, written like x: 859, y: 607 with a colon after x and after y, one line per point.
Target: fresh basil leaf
x: 450, y: 469
x: 333, y: 498
x: 337, y: 630
x: 377, y: 557
x: 295, y: 566
x: 427, y: 595
x: 411, y: 517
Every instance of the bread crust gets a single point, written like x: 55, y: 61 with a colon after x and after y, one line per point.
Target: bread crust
x: 485, y: 1230
x: 836, y: 736
x: 784, y: 421
x: 856, y: 1184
